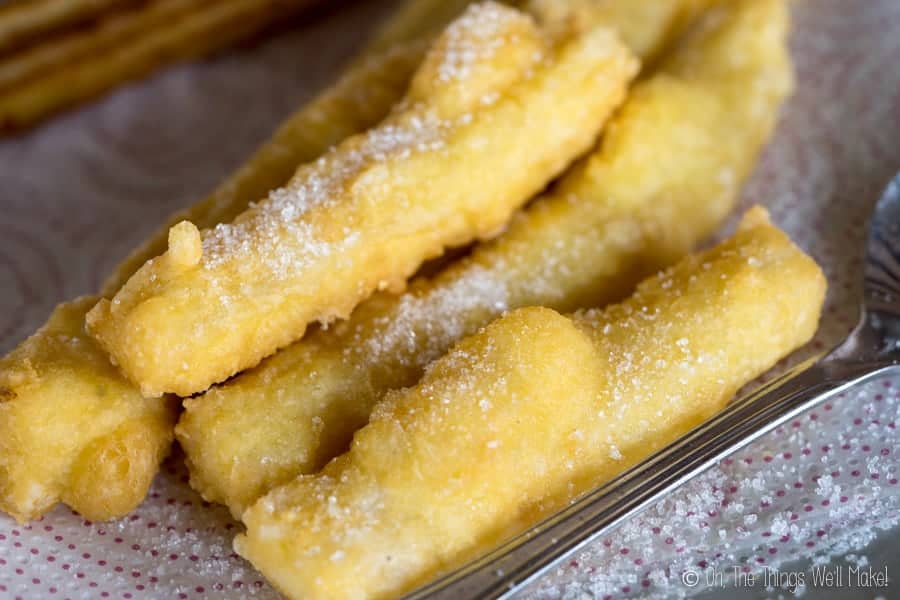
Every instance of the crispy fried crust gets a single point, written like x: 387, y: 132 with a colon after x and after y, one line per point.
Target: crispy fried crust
x: 493, y: 96
x: 665, y: 176
x: 45, y: 376
x: 521, y: 418
x: 72, y: 429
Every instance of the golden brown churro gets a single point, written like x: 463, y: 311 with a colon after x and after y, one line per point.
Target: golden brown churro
x: 521, y: 418
x: 62, y: 367
x: 495, y: 95
x: 198, y: 33
x: 72, y: 429
x: 666, y: 174
x: 24, y: 22
x: 65, y: 50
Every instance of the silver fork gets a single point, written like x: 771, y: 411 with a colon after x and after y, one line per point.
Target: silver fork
x: 871, y: 350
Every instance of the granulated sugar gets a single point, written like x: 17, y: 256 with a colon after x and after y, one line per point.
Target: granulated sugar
x: 422, y: 326
x: 788, y: 496
x: 264, y: 230
x: 472, y: 37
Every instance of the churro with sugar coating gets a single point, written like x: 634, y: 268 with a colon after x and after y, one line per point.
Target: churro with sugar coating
x: 494, y: 95
x: 646, y: 26
x: 665, y: 176
x: 103, y: 470
x: 544, y: 408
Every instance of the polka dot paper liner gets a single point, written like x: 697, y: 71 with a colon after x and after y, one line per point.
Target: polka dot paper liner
x: 823, y: 485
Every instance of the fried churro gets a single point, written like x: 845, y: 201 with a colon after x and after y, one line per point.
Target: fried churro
x: 72, y: 429
x: 494, y: 95
x: 63, y: 51
x: 24, y: 22
x: 61, y: 372
x: 523, y: 417
x: 666, y: 174
x: 198, y: 33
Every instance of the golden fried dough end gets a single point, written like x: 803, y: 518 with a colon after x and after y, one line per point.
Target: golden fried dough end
x: 666, y: 174
x: 694, y: 334
x: 494, y: 95
x: 494, y: 437
x: 72, y: 429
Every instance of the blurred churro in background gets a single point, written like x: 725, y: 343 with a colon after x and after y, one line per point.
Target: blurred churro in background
x: 108, y: 34
x: 89, y: 48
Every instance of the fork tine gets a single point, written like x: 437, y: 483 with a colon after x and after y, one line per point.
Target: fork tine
x: 882, y: 270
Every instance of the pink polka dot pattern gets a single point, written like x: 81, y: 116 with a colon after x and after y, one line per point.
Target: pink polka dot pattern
x: 824, y: 484
x: 174, y: 546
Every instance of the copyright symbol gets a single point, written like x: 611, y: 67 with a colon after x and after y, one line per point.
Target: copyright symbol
x: 690, y: 578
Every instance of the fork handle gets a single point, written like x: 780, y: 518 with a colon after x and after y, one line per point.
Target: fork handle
x: 523, y: 559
